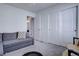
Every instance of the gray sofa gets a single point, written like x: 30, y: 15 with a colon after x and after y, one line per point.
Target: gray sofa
x: 9, y: 42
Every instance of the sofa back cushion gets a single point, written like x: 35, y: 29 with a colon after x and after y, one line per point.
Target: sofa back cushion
x: 9, y: 36
x: 0, y: 37
x: 21, y: 35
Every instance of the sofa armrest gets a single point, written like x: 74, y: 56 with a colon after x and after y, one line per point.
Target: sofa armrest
x: 1, y: 48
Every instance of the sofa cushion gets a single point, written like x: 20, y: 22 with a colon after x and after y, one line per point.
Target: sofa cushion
x: 0, y: 36
x: 16, y: 44
x: 9, y: 36
x: 16, y: 41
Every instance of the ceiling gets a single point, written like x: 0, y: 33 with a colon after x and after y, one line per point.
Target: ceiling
x: 33, y: 7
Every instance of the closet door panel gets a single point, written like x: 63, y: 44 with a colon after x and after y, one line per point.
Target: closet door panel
x: 68, y: 18
x: 53, y: 28
x: 37, y: 27
x: 44, y: 28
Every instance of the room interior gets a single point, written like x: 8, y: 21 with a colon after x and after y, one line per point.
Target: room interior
x: 39, y: 29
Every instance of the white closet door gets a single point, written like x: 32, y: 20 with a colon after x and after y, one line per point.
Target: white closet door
x: 53, y: 28
x: 37, y: 27
x: 68, y: 20
x: 44, y: 28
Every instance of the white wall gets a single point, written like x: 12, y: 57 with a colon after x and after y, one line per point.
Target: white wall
x: 13, y: 19
x: 47, y: 24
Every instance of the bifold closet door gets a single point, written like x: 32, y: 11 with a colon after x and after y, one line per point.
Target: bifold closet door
x: 62, y: 26
x: 53, y: 28
x: 68, y: 25
x: 56, y: 27
x: 44, y: 27
x: 37, y: 27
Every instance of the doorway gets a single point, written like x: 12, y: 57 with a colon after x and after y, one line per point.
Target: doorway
x: 30, y: 26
